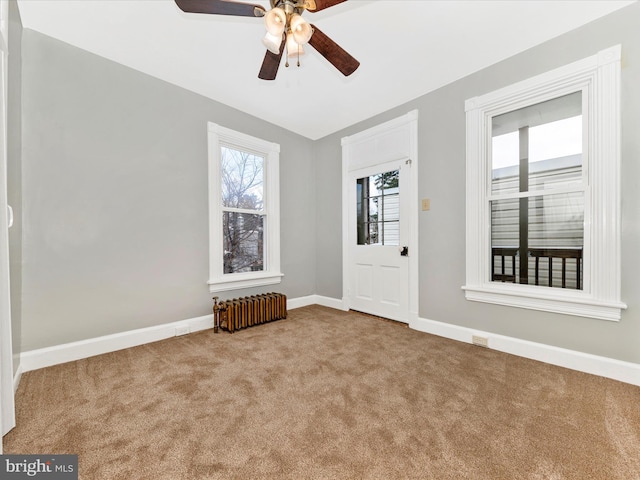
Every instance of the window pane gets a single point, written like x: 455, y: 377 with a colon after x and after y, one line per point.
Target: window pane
x: 505, y: 173
x: 375, y: 229
x: 505, y: 223
x: 373, y: 208
x: 554, y: 244
x: 555, y: 154
x: 557, y: 221
x: 392, y: 207
x: 378, y: 209
x: 373, y: 183
x: 392, y: 233
x: 242, y: 179
x: 361, y: 212
x: 387, y: 180
x: 538, y: 147
x: 243, y: 242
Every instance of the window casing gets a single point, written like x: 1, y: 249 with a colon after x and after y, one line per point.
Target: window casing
x: 244, y: 209
x: 588, y: 236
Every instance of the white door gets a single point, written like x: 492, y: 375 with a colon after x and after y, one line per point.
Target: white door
x: 380, y: 219
x: 378, y: 240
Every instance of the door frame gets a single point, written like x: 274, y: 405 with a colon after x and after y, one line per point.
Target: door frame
x: 394, y: 140
x: 7, y: 410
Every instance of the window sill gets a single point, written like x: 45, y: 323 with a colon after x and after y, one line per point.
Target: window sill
x: 546, y: 300
x: 244, y: 280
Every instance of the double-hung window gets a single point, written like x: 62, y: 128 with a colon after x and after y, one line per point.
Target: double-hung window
x: 244, y: 225
x: 538, y: 186
x: 543, y: 191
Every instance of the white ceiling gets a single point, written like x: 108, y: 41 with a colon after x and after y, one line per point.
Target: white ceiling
x: 406, y: 49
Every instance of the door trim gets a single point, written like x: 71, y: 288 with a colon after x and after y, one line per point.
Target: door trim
x: 7, y: 410
x: 366, y: 144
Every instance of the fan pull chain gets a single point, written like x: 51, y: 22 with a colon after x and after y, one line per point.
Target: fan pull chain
x: 284, y: 44
x: 286, y: 64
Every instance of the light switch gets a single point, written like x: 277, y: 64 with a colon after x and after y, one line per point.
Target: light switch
x: 426, y: 204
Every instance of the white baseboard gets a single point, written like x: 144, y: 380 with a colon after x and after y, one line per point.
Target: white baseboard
x: 300, y: 302
x: 584, y: 362
x: 316, y: 300
x: 68, y: 352
x: 606, y: 367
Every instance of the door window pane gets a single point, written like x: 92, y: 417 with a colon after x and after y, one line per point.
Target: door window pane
x: 378, y: 209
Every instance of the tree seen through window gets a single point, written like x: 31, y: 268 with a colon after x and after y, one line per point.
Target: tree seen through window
x: 243, y: 218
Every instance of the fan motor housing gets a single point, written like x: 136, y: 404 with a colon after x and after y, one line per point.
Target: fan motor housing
x: 290, y: 7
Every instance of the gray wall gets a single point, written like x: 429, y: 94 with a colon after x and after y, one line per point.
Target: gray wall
x: 14, y: 175
x: 114, y: 186
x: 442, y: 179
x: 114, y: 194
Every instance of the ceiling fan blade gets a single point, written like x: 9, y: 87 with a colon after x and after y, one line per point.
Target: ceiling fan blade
x: 317, y: 5
x: 270, y: 64
x: 333, y: 52
x: 221, y: 7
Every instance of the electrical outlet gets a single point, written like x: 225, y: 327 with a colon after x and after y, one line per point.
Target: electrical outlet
x: 480, y: 341
x: 182, y: 330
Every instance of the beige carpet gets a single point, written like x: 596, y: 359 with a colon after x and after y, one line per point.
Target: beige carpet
x: 327, y: 395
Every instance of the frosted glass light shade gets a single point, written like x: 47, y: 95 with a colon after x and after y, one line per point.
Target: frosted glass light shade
x: 275, y: 20
x: 272, y: 42
x: 300, y: 29
x: 294, y: 49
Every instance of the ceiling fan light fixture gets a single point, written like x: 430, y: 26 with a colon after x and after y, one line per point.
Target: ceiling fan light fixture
x: 300, y: 29
x: 272, y: 42
x: 275, y: 20
x: 285, y: 30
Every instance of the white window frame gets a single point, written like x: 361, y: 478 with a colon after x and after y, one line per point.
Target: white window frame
x: 598, y: 77
x: 219, y: 137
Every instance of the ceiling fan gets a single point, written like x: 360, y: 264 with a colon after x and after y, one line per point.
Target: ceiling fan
x: 285, y: 29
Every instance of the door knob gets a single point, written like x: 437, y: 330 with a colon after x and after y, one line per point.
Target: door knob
x: 404, y: 251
